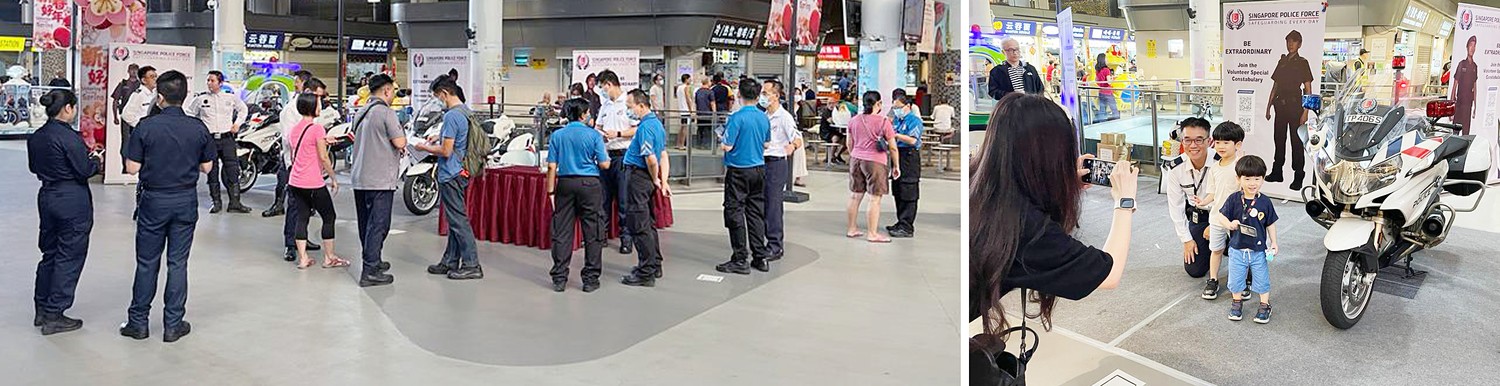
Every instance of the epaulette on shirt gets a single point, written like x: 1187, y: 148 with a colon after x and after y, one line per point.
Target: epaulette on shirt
x: 1172, y: 163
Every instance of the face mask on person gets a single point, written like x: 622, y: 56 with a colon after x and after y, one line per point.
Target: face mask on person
x: 765, y: 103
x: 630, y: 113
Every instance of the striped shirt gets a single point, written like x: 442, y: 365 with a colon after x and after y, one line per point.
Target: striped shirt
x: 1017, y: 71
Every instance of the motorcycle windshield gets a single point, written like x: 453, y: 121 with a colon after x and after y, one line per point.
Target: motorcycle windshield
x: 1364, y: 120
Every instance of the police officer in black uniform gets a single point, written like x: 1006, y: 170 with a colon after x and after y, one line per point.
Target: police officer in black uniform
x: 58, y: 157
x: 168, y: 151
x: 575, y: 158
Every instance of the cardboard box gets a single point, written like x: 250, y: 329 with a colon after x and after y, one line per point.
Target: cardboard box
x: 1112, y: 139
x: 1112, y: 153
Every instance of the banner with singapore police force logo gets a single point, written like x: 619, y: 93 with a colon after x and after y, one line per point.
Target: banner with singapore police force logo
x: 121, y: 58
x: 428, y: 64
x: 625, y: 63
x: 1476, y: 74
x: 1272, y: 51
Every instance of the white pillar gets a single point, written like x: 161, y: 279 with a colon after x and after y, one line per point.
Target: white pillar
x: 882, y: 30
x: 1203, y: 34
x: 485, y: 19
x: 229, y: 29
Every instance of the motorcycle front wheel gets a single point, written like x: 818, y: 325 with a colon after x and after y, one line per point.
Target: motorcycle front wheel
x: 420, y: 192
x: 249, y: 172
x: 1345, y: 290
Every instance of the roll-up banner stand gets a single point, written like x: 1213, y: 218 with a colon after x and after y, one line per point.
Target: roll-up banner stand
x: 1272, y: 52
x: 121, y: 57
x: 1476, y: 75
x: 427, y: 64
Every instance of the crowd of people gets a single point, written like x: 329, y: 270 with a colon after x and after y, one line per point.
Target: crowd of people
x: 612, y: 152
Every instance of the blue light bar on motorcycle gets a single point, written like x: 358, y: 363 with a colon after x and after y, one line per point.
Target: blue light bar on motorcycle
x: 1312, y: 102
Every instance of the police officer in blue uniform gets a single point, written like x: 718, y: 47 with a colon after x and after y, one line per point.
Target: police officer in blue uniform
x: 907, y: 188
x: 744, y: 146
x: 169, y: 151
x: 646, y: 171
x: 575, y: 154
x: 58, y: 157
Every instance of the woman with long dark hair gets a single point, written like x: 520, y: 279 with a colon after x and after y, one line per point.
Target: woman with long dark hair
x: 1106, y: 95
x: 1024, y: 204
x: 58, y: 157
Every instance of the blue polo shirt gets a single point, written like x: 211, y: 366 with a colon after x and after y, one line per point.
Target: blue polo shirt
x: 577, y: 150
x: 747, y: 131
x: 911, y: 126
x: 170, y: 146
x: 650, y: 138
x: 456, y: 127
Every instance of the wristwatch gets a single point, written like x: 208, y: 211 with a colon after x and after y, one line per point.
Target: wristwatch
x: 1126, y: 203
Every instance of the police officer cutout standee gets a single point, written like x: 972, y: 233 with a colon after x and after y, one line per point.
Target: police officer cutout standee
x: 224, y: 113
x: 168, y: 151
x: 58, y: 157
x: 575, y: 158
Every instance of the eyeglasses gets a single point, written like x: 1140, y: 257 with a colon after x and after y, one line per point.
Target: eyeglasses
x: 1195, y: 141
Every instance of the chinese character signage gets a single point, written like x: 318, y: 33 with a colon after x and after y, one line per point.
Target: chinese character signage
x: 832, y: 52
x: 1015, y: 27
x: 269, y: 41
x: 728, y: 34
x: 370, y: 46
x: 1051, y: 29
x: 53, y: 21
x: 304, y: 42
x: 1110, y: 34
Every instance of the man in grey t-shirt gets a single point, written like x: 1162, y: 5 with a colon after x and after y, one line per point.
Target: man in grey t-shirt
x: 379, y: 145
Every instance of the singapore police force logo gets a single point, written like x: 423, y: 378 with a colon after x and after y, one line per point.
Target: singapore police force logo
x: 121, y: 53
x: 1235, y: 20
x: 1466, y: 20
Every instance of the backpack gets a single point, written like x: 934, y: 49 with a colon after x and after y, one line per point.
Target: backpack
x: 476, y: 153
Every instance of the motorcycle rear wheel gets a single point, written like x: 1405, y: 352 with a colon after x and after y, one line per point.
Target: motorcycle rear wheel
x: 1345, y: 290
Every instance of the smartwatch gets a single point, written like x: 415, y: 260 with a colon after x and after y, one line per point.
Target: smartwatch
x: 1126, y: 203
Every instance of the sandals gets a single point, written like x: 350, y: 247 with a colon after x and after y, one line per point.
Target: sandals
x: 879, y: 239
x: 856, y: 234
x: 337, y: 262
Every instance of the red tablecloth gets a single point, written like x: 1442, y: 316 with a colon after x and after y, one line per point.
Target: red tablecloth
x: 509, y: 205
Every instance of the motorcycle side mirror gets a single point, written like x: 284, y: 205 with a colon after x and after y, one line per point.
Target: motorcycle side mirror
x: 1312, y: 102
x: 1441, y: 108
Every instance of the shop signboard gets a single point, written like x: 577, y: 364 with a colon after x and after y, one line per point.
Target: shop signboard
x: 308, y: 42
x: 834, y: 52
x: 1106, y: 34
x: 13, y: 43
x: 427, y: 64
x: 1015, y: 27
x: 1476, y: 74
x: 121, y: 57
x: 1050, y: 30
x: 732, y: 34
x: 266, y: 41
x: 521, y: 56
x: 809, y: 14
x: 52, y: 25
x: 1264, y: 82
x: 1068, y: 48
x: 370, y: 46
x: 625, y: 63
x: 1415, y: 17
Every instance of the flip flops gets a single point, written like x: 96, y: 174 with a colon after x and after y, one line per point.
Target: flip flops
x: 337, y: 262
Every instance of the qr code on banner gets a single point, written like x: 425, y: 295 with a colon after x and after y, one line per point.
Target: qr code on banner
x: 1244, y: 108
x: 1489, y: 111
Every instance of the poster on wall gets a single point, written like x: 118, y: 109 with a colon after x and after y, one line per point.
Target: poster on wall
x: 427, y: 64
x: 125, y: 23
x: 625, y: 63
x: 1476, y: 74
x: 1267, y: 70
x: 121, y: 58
x: 52, y: 25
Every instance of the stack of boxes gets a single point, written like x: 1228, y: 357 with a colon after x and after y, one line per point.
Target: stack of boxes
x: 1112, y: 147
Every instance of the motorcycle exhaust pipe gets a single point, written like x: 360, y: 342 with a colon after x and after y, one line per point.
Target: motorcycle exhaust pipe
x: 1315, y: 208
x: 1433, y: 225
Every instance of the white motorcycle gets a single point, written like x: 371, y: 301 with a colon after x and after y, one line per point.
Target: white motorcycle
x: 419, y: 169
x: 260, y: 144
x: 1380, y: 177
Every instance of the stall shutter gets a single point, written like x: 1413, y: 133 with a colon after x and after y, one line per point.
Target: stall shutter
x: 765, y: 63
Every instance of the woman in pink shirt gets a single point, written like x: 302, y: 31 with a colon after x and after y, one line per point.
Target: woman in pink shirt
x: 310, y: 163
x: 868, y: 172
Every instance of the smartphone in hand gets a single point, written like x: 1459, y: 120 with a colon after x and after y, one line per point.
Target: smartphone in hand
x: 1099, y: 171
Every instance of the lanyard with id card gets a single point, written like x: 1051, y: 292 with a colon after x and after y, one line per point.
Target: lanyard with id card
x: 1248, y: 212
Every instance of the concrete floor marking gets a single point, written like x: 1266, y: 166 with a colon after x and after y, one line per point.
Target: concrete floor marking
x: 1154, y: 365
x: 1146, y: 321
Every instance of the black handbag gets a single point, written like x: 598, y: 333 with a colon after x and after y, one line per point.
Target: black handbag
x: 990, y: 368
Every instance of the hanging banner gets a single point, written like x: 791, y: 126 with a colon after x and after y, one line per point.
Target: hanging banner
x: 625, y: 63
x: 1272, y: 51
x: 928, y: 44
x: 809, y: 14
x: 121, y: 58
x: 1068, y: 93
x: 103, y: 23
x: 427, y: 64
x: 1476, y: 74
x: 52, y: 25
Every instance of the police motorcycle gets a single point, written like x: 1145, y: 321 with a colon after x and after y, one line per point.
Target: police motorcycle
x: 1381, y: 173
x: 260, y: 146
x: 419, y: 187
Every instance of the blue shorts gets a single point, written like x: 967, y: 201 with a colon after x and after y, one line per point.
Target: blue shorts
x: 1243, y: 260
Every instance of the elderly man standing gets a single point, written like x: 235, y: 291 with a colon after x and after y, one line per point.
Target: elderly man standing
x: 1013, y: 75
